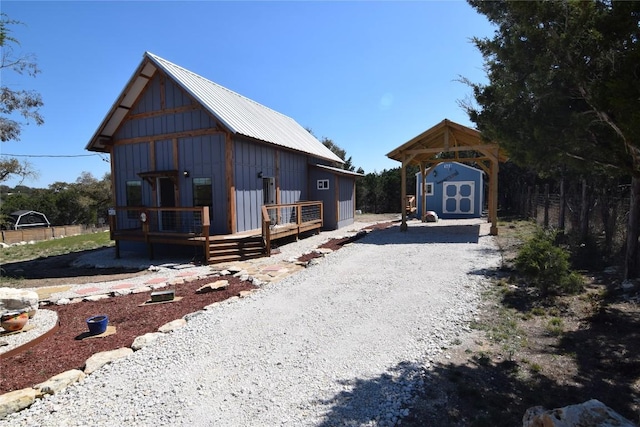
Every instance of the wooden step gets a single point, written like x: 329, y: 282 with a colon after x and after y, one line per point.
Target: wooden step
x: 235, y: 249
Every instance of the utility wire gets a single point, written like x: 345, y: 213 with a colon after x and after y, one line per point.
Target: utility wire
x: 55, y: 155
x: 50, y: 155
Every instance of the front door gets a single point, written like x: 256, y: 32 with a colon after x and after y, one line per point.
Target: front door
x: 457, y: 197
x: 166, y: 199
x: 269, y: 197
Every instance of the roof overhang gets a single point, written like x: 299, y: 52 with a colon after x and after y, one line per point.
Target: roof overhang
x: 150, y: 176
x: 102, y: 138
x: 339, y: 171
x: 447, y: 137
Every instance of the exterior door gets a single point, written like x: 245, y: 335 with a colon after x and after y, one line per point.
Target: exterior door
x: 458, y: 197
x: 269, y: 197
x: 166, y: 199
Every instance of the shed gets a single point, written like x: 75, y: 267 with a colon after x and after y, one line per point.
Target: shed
x: 26, y: 218
x: 454, y: 191
x: 445, y: 142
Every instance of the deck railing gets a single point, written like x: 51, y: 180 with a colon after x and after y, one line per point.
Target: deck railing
x: 289, y: 219
x: 183, y: 225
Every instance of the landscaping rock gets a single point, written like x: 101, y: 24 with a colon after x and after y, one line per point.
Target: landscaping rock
x: 218, y: 285
x: 96, y: 297
x: 144, y: 340
x: 15, y: 401
x: 58, y: 382
x: 98, y: 360
x: 12, y: 299
x: 172, y: 326
x: 190, y: 316
x: 592, y: 413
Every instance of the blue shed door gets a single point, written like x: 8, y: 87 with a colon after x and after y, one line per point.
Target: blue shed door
x: 457, y: 197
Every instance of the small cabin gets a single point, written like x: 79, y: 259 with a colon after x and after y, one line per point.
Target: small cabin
x: 454, y: 191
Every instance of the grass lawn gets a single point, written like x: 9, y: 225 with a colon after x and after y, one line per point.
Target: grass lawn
x: 61, y: 246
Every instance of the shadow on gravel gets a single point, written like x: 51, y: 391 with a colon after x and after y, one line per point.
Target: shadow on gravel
x: 424, y: 233
x: 372, y: 396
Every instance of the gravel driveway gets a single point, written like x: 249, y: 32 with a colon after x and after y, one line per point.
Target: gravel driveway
x: 344, y: 342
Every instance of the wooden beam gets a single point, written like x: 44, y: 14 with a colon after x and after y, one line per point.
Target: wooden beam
x: 152, y: 166
x: 403, y: 196
x: 481, y: 148
x: 164, y: 112
x: 176, y: 164
x: 162, y: 91
x: 277, y: 177
x: 165, y: 136
x: 114, y: 200
x: 231, y: 189
x: 423, y: 183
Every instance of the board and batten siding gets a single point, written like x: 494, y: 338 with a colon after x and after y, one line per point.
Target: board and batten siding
x: 249, y: 159
x: 293, y: 177
x: 129, y: 159
x: 346, y: 201
x: 151, y: 101
x: 288, y: 169
x: 203, y: 157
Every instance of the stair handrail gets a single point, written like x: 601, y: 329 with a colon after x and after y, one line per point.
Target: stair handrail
x: 266, y: 230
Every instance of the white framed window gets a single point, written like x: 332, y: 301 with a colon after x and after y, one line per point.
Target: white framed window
x: 429, y: 188
x: 323, y: 184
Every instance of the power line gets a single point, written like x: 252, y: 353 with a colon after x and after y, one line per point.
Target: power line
x: 50, y: 155
x: 56, y: 155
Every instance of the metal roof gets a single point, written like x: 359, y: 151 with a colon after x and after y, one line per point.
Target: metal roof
x: 339, y: 170
x: 239, y: 114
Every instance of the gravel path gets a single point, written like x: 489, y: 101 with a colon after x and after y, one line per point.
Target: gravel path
x: 344, y: 342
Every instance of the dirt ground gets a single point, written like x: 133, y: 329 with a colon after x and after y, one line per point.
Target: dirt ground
x: 527, y: 351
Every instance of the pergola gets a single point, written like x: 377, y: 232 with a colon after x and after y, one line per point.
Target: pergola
x: 465, y: 145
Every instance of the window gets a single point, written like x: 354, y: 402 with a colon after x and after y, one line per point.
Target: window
x: 429, y: 189
x: 323, y: 184
x: 202, y: 192
x: 134, y: 197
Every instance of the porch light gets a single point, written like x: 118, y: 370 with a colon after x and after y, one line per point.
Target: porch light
x: 186, y: 174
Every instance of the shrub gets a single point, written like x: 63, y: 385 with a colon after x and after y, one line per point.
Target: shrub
x: 546, y: 265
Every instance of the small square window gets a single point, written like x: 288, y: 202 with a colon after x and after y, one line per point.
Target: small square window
x: 323, y: 184
x: 429, y: 189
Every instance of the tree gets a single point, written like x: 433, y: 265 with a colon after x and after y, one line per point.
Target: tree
x: 564, y: 91
x: 15, y: 103
x: 347, y: 165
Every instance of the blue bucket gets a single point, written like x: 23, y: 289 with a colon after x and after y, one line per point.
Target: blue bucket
x: 97, y: 324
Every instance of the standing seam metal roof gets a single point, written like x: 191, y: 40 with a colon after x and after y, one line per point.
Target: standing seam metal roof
x: 244, y: 116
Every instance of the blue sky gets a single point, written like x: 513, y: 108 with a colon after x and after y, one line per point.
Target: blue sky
x: 370, y: 75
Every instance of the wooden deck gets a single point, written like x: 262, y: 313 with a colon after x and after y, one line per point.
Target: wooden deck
x: 190, y: 227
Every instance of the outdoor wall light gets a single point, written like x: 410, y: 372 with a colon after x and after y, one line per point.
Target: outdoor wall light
x: 186, y: 174
x: 260, y: 174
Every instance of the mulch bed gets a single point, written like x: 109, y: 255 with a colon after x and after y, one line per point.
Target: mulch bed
x: 63, y: 351
x: 335, y: 244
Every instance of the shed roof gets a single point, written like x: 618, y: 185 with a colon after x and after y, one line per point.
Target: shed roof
x: 339, y: 171
x: 239, y: 114
x: 447, y: 136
